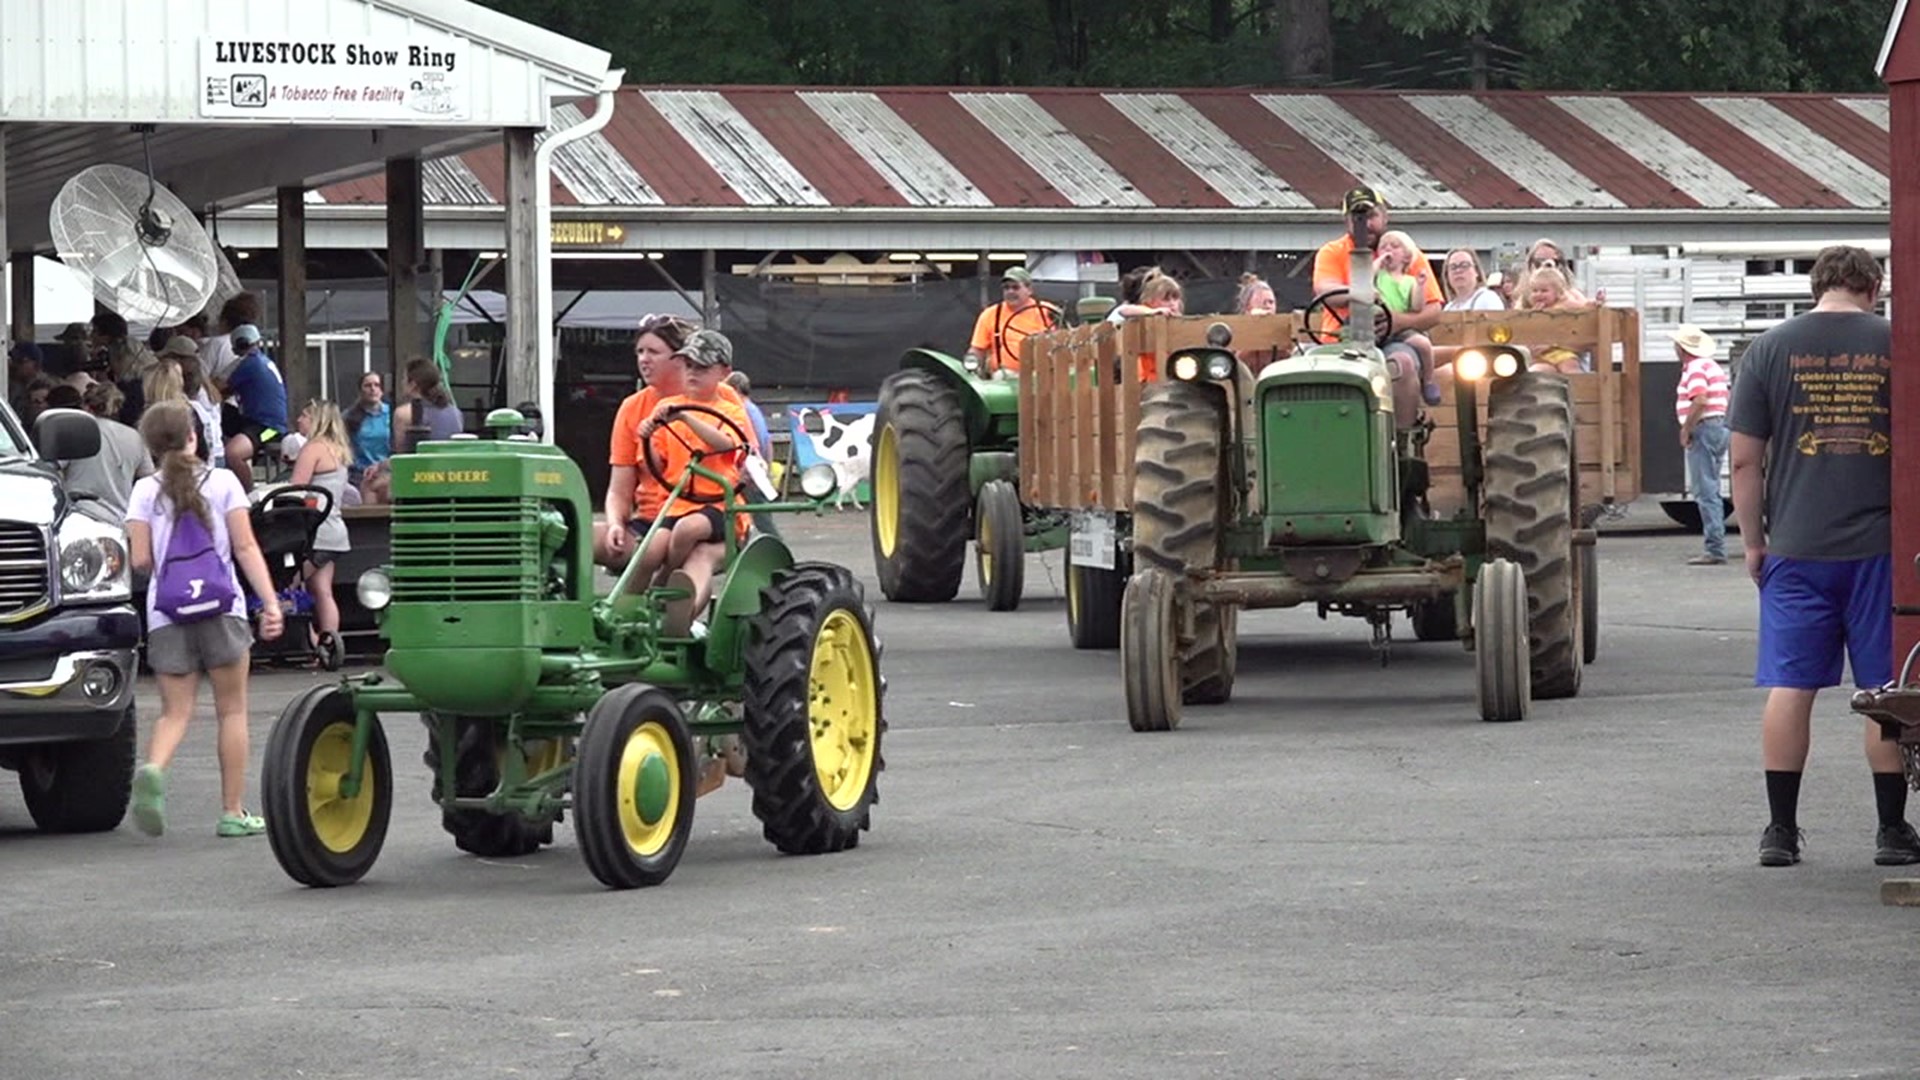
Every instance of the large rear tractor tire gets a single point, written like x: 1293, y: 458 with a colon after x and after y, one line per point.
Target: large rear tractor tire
x: 81, y: 787
x: 476, y: 773
x: 320, y: 836
x: 1211, y: 666
x: 1093, y: 603
x: 920, y: 494
x: 1179, y: 506
x: 811, y: 717
x: 634, y: 786
x: 1530, y: 496
x: 1000, y: 546
x: 1150, y: 651
x: 1500, y: 642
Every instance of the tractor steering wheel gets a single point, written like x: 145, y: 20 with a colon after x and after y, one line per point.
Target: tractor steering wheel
x: 1324, y: 302
x: 697, y: 452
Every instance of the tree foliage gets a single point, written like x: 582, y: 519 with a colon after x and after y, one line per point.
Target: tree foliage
x: 1699, y: 45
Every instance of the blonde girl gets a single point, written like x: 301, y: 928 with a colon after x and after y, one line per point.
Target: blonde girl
x: 323, y: 462
x: 217, y: 647
x: 1546, y: 289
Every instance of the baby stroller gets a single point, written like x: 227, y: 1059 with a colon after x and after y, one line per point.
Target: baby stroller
x: 286, y: 518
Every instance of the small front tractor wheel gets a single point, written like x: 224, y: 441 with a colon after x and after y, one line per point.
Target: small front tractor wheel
x: 1150, y: 651
x: 1093, y: 603
x: 1500, y: 642
x: 1589, y: 604
x: 1531, y: 489
x: 1208, y: 673
x: 81, y: 787
x: 1435, y: 620
x: 811, y: 716
x: 322, y: 837
x: 633, y: 787
x: 920, y: 505
x: 478, y: 750
x: 1000, y: 545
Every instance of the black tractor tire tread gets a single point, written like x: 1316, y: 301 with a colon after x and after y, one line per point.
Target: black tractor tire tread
x: 92, y: 782
x: 794, y: 815
x: 477, y: 773
x: 1176, y: 478
x: 1100, y: 593
x: 999, y: 512
x: 1530, y: 507
x: 596, y: 812
x: 283, y: 790
x: 1208, y: 674
x: 931, y: 543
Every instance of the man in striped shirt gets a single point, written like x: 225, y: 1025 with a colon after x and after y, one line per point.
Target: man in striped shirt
x: 1701, y: 406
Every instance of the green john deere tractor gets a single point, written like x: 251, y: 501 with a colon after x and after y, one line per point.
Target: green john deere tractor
x: 946, y: 469
x: 1307, y: 482
x: 540, y: 697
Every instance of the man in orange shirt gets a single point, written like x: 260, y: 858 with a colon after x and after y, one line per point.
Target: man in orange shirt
x: 1333, y: 269
x: 1001, y: 328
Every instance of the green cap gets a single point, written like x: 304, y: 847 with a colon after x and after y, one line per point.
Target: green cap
x: 1019, y: 274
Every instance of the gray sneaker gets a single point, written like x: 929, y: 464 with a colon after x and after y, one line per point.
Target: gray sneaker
x: 1779, y: 846
x: 1707, y: 560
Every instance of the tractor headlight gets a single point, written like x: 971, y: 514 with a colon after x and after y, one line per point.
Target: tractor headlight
x: 971, y: 363
x: 1506, y: 364
x: 818, y: 481
x: 1186, y: 367
x: 93, y: 560
x: 1471, y: 365
x: 1220, y: 366
x: 1383, y: 390
x: 374, y: 590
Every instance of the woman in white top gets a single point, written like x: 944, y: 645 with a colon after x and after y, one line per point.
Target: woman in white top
x: 1465, y: 284
x: 323, y: 463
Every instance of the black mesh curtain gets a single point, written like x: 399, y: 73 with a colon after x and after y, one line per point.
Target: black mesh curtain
x: 833, y: 336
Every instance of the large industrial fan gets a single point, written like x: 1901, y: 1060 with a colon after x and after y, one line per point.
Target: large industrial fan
x: 148, y: 258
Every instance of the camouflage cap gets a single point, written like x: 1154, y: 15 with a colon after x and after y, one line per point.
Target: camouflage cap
x: 1018, y: 274
x: 706, y: 348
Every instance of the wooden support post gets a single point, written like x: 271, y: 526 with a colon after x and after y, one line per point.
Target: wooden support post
x: 709, y: 273
x: 22, y: 300
x: 1903, y: 77
x: 406, y: 241
x: 523, y: 358
x: 984, y: 270
x: 305, y: 380
x: 1609, y: 405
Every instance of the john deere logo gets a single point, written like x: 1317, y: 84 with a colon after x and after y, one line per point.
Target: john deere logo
x: 456, y: 476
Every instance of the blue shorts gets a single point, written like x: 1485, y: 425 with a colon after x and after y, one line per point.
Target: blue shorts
x: 1811, y: 611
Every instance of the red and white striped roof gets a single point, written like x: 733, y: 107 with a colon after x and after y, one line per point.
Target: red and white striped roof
x: 1069, y: 149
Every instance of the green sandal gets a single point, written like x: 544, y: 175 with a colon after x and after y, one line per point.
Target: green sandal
x: 240, y: 824
x: 150, y: 799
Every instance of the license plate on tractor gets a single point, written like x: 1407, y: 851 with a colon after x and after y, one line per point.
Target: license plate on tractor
x: 1092, y: 542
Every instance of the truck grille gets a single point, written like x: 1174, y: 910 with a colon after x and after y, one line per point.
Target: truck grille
x: 466, y: 550
x: 23, y: 567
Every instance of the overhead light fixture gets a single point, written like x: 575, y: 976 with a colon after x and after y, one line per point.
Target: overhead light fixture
x: 490, y: 255
x: 243, y: 255
x: 1008, y: 256
x: 656, y: 255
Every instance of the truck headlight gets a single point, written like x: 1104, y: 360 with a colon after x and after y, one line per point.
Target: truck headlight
x: 93, y: 560
x: 374, y: 590
x: 1471, y: 365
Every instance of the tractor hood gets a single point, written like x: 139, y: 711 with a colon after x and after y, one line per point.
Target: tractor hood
x: 1331, y: 365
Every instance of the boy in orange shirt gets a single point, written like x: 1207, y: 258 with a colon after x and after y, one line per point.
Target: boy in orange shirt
x: 686, y: 551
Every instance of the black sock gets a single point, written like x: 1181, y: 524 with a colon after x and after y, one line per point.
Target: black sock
x: 1783, y: 798
x: 1890, y: 795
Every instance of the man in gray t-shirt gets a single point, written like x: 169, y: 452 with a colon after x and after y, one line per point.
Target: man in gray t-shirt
x: 1813, y: 491
x: 108, y: 476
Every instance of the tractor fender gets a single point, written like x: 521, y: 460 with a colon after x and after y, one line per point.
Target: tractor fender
x: 752, y: 571
x: 991, y: 406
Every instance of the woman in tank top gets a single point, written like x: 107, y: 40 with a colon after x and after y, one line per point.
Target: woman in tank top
x: 429, y: 406
x: 323, y: 462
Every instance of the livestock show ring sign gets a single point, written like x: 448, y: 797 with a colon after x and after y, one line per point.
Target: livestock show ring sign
x: 348, y: 80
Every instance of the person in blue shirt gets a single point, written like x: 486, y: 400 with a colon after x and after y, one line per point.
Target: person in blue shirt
x: 370, y: 425
x: 259, y: 418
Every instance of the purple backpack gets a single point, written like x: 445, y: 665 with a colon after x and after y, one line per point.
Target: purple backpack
x: 193, y: 582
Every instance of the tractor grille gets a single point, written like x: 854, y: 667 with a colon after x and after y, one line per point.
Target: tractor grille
x: 466, y: 550
x: 23, y: 567
x: 1295, y: 392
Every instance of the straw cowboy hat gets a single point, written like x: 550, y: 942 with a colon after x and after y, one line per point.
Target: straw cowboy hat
x: 1695, y: 342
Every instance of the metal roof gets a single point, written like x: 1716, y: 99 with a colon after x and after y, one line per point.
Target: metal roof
x: 687, y: 149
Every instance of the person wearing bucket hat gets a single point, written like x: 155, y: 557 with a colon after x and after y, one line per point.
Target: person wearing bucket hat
x: 1700, y: 405
x: 701, y: 424
x: 1001, y: 327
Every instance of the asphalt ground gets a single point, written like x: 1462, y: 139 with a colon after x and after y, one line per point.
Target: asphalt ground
x: 1342, y: 873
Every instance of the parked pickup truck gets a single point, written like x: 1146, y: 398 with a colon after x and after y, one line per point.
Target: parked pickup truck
x: 68, y: 632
